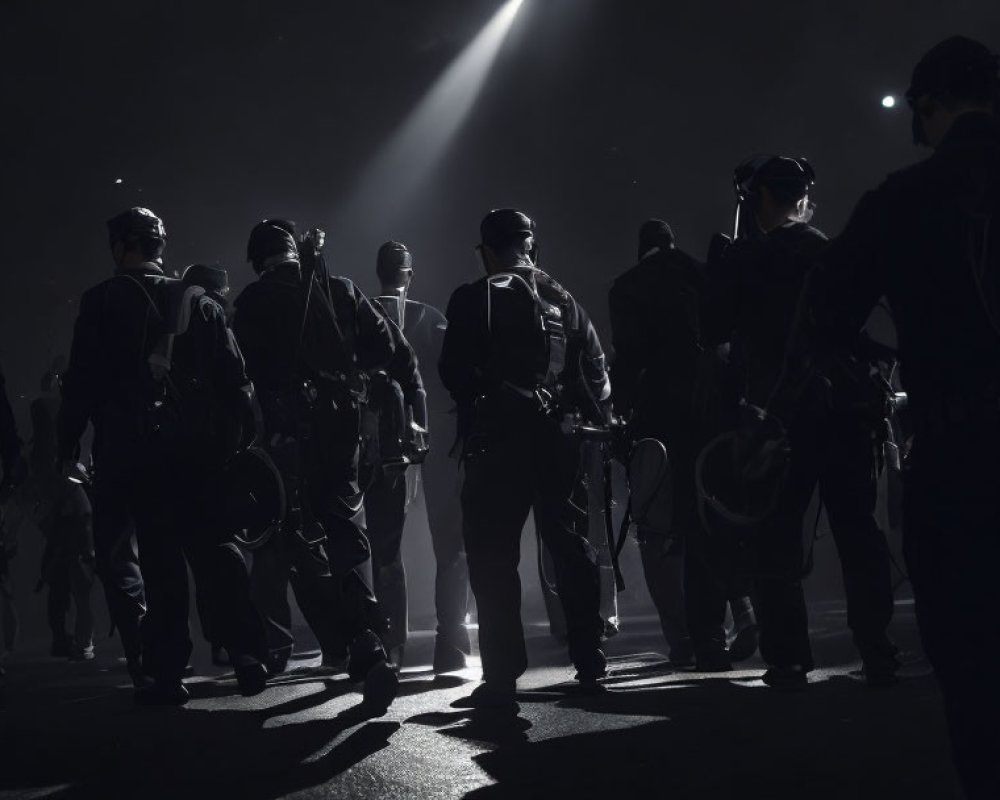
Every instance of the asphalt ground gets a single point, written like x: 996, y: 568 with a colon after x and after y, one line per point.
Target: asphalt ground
x: 71, y: 730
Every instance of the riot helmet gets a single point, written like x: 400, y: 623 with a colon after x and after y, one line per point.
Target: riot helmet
x: 788, y: 179
x: 214, y: 280
x: 655, y: 233
x: 271, y: 244
x: 138, y: 228
x: 503, y: 227
x: 393, y: 265
x: 956, y: 70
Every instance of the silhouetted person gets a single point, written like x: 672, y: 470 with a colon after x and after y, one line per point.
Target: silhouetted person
x: 424, y: 328
x: 308, y: 339
x: 519, y: 355
x: 656, y: 328
x: 832, y: 427
x: 155, y: 370
x: 63, y: 514
x: 396, y: 403
x: 12, y: 464
x: 215, y: 281
x: 928, y: 240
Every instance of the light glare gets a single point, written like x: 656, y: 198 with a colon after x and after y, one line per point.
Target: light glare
x: 888, y: 101
x: 403, y: 164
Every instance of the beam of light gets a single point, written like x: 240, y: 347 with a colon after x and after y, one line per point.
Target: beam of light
x: 888, y: 101
x: 404, y: 163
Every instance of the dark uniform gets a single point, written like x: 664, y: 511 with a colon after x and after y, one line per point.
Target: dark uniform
x: 925, y: 241
x: 164, y: 422
x: 511, y: 386
x: 306, y: 345
x: 656, y: 324
x: 385, y: 501
x: 758, y: 282
x: 424, y: 328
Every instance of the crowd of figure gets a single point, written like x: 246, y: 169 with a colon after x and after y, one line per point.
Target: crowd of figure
x: 290, y: 426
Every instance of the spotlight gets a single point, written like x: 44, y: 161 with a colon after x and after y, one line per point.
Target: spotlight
x: 888, y: 101
x: 401, y: 166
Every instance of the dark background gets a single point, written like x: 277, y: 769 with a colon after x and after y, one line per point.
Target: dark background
x: 597, y: 114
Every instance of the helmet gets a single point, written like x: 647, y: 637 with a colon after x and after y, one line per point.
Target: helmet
x: 393, y: 258
x: 505, y: 226
x: 788, y: 179
x: 655, y: 233
x: 211, y: 279
x: 953, y: 70
x: 135, y: 224
x: 958, y: 68
x: 272, y: 243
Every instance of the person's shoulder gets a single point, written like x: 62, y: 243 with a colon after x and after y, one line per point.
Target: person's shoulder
x: 343, y: 287
x: 804, y: 232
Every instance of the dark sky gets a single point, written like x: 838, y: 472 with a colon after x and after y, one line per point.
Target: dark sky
x: 597, y: 114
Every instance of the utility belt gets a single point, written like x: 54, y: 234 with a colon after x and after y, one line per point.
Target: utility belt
x: 289, y: 411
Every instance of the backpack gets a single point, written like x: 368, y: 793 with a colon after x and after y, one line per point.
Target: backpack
x: 527, y: 324
x: 181, y: 419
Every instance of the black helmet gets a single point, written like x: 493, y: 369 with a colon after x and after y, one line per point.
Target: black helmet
x: 272, y: 243
x: 788, y: 179
x: 655, y: 233
x: 958, y: 68
x: 136, y: 224
x: 505, y: 226
x: 211, y: 279
x: 393, y: 258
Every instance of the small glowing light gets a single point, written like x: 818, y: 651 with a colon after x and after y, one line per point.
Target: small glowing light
x: 888, y: 101
x: 118, y: 180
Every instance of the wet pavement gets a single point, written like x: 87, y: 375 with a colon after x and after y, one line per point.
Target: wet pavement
x: 71, y: 730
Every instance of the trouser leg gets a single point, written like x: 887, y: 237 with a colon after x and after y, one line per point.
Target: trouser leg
x: 705, y: 594
x: 166, y: 638
x: 58, y: 602
x: 495, y: 504
x: 385, y: 515
x: 560, y: 505
x: 117, y: 562
x: 777, y: 553
x: 221, y: 579
x: 663, y: 569
x: 848, y: 488
x: 951, y: 553
x: 269, y: 578
x: 451, y: 580
x: 81, y: 583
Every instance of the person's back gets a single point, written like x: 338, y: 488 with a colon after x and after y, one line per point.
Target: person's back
x: 520, y: 358
x: 928, y: 241
x: 656, y: 332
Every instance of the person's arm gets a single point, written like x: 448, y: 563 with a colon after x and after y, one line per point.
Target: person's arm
x: 405, y: 370
x: 235, y: 387
x: 593, y: 369
x: 462, y: 348
x: 374, y: 340
x: 631, y: 349
x: 852, y: 273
